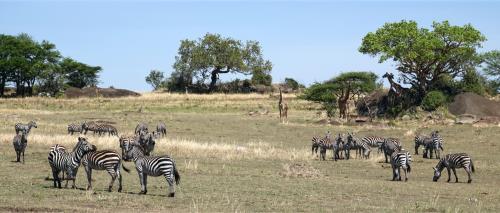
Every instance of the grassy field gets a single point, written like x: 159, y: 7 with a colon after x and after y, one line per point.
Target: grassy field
x: 230, y: 161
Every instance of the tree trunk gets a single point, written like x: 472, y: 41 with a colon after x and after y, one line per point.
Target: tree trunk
x: 213, y: 81
x: 2, y: 87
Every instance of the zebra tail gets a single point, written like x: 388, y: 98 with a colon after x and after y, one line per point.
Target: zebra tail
x: 471, y: 166
x: 177, y: 175
x: 125, y: 168
x: 408, y: 163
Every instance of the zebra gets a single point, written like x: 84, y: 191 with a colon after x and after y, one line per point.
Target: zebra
x: 338, y: 147
x: 25, y: 127
x: 435, y: 145
x: 68, y: 162
x: 360, y: 146
x: 390, y: 146
x: 149, y: 165
x: 324, y: 144
x: 90, y: 126
x: 453, y: 161
x: 104, y: 160
x: 102, y: 129
x: 58, y: 148
x: 141, y: 127
x: 373, y: 141
x: 145, y: 140
x: 421, y: 140
x: 161, y: 129
x: 20, y: 142
x: 316, y: 141
x: 72, y: 128
x: 400, y: 159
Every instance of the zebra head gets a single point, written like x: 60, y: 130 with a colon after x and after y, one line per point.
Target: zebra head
x: 32, y: 124
x: 147, y: 142
x: 84, y: 146
x: 437, y: 174
x: 339, y: 139
x: 127, y: 146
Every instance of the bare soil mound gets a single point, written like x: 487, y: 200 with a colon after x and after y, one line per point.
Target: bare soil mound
x: 473, y: 104
x: 96, y: 91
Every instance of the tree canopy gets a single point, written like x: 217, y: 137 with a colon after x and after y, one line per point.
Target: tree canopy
x: 337, y: 91
x: 212, y: 55
x: 422, y: 55
x: 27, y: 63
x: 155, y: 79
x: 491, y: 67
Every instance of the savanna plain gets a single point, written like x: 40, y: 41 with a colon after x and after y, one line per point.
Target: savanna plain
x: 230, y: 161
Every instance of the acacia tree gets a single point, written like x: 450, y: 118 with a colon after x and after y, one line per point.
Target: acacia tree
x: 78, y: 74
x: 155, y: 79
x: 423, y: 55
x: 491, y: 67
x: 342, y: 88
x: 212, y: 55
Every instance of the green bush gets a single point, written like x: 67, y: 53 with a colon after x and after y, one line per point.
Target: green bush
x: 433, y: 100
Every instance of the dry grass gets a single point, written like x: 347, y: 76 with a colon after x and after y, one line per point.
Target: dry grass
x: 232, y: 162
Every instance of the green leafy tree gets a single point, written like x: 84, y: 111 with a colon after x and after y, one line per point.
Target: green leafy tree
x: 155, y: 79
x: 342, y: 88
x: 8, y: 45
x: 293, y: 84
x: 212, y: 55
x: 491, y: 67
x: 78, y: 74
x: 262, y: 77
x: 422, y: 55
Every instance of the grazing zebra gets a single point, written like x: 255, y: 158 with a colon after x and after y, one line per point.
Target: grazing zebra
x: 104, y: 160
x: 161, y: 128
x: 400, y: 159
x: 360, y: 146
x: 20, y: 142
x: 421, y: 140
x: 90, y: 126
x: 435, y: 145
x: 453, y: 161
x: 390, y: 146
x: 373, y: 141
x: 141, y: 127
x: 25, y: 127
x: 102, y: 129
x: 152, y: 166
x: 72, y: 128
x: 68, y: 162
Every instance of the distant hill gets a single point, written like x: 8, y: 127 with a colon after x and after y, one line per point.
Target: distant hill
x: 73, y: 92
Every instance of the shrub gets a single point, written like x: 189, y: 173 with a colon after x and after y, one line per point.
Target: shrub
x: 433, y: 100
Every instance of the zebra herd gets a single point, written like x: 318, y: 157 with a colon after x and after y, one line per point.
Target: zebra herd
x: 136, y: 148
x: 400, y: 159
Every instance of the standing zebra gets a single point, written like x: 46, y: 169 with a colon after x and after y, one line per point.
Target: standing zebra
x: 435, y: 145
x: 453, y: 161
x: 338, y: 147
x: 141, y: 127
x: 25, y: 127
x: 316, y: 141
x: 90, y: 126
x: 72, y: 128
x: 421, y: 140
x: 324, y: 144
x: 145, y: 140
x: 373, y: 141
x: 104, y: 160
x: 20, y: 142
x: 360, y: 146
x: 102, y: 129
x: 390, y: 146
x: 400, y: 160
x: 161, y: 128
x: 68, y: 162
x: 152, y: 166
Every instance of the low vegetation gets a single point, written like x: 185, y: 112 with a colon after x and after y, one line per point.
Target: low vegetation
x: 230, y: 161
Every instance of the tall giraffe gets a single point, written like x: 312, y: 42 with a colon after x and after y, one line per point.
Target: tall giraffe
x: 283, y: 107
x: 395, y: 87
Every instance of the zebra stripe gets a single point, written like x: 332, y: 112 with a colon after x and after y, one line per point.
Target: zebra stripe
x: 400, y: 160
x: 421, y: 140
x: 436, y: 145
x: 145, y: 140
x: 104, y: 160
x: 373, y: 141
x: 152, y: 166
x: 390, y: 146
x: 68, y: 162
x: 25, y: 127
x: 20, y: 143
x: 90, y: 126
x: 453, y: 161
x: 360, y: 146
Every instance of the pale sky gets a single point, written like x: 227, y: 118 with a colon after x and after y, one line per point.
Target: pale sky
x: 308, y: 41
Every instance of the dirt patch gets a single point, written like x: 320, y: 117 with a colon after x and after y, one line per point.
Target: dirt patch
x: 96, y: 91
x: 299, y: 170
x: 473, y: 104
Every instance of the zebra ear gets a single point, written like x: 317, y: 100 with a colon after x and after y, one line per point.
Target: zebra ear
x: 434, y: 168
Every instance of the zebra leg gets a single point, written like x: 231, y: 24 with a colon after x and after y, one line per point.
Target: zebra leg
x: 113, y: 174
x: 448, y: 169
x: 18, y: 157
x: 55, y: 176
x: 416, y: 149
x: 171, y: 188
x: 399, y: 173
x: 455, y: 173
x: 404, y: 170
x: 23, y: 156
x: 119, y: 179
x: 431, y: 151
x: 143, y: 178
x: 88, y: 170
x: 468, y: 174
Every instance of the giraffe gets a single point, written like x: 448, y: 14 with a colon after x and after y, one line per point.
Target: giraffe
x: 395, y: 87
x: 398, y: 93
x: 283, y: 107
